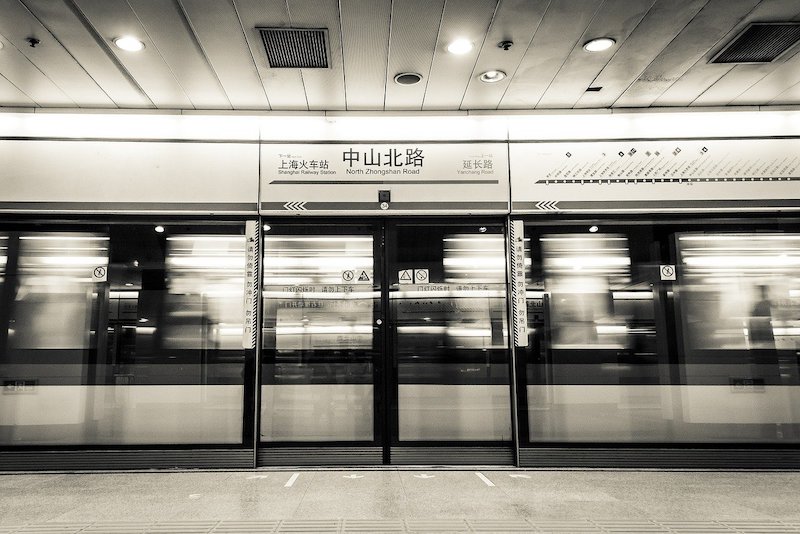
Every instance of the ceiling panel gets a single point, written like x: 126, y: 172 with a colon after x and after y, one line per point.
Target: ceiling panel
x: 773, y: 85
x: 167, y: 27
x: 17, y: 24
x: 704, y: 76
x: 560, y: 30
x: 412, y: 41
x: 365, y: 38
x: 23, y: 74
x: 515, y: 21
x: 207, y: 54
x: 616, y: 19
x: 220, y: 33
x: 710, y: 25
x: 10, y: 95
x: 662, y: 23
x: 114, y: 18
x: 450, y: 73
x: 324, y: 87
x: 790, y: 96
x: 284, y: 87
x: 77, y: 36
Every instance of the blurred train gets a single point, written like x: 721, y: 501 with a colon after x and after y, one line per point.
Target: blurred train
x: 536, y: 333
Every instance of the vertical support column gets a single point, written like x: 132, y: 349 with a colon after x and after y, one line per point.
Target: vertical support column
x: 251, y: 332
x: 518, y: 315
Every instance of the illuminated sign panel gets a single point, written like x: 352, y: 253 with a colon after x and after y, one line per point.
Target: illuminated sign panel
x: 422, y: 177
x: 656, y: 175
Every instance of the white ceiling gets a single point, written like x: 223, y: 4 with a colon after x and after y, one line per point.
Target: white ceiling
x: 206, y: 54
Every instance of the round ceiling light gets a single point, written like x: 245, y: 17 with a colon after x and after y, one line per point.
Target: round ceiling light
x: 407, y: 78
x: 599, y: 44
x: 460, y: 47
x: 129, y: 44
x: 492, y: 76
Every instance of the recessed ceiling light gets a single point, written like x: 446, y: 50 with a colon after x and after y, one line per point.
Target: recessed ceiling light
x: 159, y: 229
x: 267, y: 228
x: 407, y: 78
x: 129, y: 44
x: 599, y: 44
x: 593, y: 229
x: 492, y: 76
x: 460, y: 47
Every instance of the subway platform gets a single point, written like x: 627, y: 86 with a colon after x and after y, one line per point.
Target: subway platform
x: 401, y: 500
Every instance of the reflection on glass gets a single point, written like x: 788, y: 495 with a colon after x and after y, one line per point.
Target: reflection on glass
x: 581, y: 273
x: 592, y: 357
x: 122, y: 337
x: 451, y: 335
x: 318, y: 338
x: 741, y: 291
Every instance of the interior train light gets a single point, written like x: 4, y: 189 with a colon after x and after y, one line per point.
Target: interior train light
x: 159, y: 229
x: 267, y: 228
x: 460, y: 47
x: 129, y: 44
x: 593, y: 229
x: 599, y: 44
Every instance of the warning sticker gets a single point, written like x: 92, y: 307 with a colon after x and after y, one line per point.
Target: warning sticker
x: 364, y: 277
x: 406, y: 276
x: 100, y: 274
x: 421, y: 276
x: 667, y: 272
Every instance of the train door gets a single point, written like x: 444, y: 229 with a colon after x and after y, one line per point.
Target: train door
x: 384, y: 343
x: 595, y: 371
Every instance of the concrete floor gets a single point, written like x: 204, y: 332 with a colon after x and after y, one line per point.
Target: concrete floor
x: 405, y: 500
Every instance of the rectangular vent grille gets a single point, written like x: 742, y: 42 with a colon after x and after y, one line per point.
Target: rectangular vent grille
x: 761, y: 42
x: 295, y: 48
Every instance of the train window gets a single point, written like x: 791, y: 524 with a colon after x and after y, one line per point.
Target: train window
x: 118, y: 334
x: 592, y: 365
x: 739, y: 313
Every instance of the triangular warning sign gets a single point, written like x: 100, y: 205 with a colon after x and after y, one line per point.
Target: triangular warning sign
x: 405, y: 276
x: 363, y: 277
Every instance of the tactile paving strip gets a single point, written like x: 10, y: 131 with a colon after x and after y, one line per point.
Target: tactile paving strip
x: 378, y: 526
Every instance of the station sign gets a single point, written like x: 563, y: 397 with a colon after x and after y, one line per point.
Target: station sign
x: 359, y: 177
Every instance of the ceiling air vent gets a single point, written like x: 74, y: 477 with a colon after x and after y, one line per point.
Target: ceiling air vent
x: 760, y: 42
x: 295, y: 48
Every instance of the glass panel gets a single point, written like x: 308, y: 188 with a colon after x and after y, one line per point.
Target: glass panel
x: 319, y: 337
x: 125, y: 336
x: 592, y: 364
x: 739, y: 304
x: 449, y: 318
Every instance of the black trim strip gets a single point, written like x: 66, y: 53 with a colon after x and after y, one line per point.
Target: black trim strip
x: 671, y: 458
x: 204, y: 207
x: 390, y: 182
x: 126, y: 459
x: 319, y: 456
x: 452, y: 455
x: 552, y: 206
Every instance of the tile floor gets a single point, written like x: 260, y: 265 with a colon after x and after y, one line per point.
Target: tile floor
x: 395, y: 500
